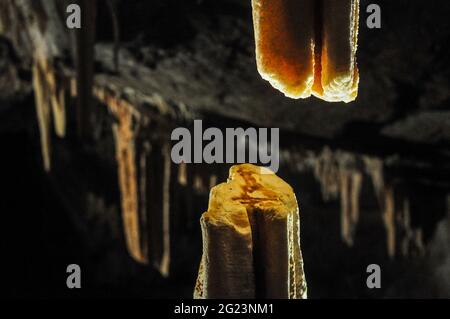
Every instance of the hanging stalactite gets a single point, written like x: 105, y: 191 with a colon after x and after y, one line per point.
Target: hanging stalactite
x: 145, y: 173
x: 341, y: 175
x: 43, y: 112
x: 182, y: 174
x: 326, y: 171
x: 412, y: 239
x: 49, y: 91
x: 389, y: 220
x: 199, y: 184
x: 126, y: 161
x: 165, y: 259
x: 401, y: 235
x: 374, y: 169
x: 350, y: 188
x: 59, y: 111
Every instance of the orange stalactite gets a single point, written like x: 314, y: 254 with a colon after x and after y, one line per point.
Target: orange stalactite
x: 145, y: 218
x: 308, y: 47
x: 43, y: 112
x: 49, y: 90
x: 126, y: 162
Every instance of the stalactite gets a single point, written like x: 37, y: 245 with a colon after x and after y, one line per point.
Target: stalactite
x: 401, y: 235
x: 59, y: 112
x: 418, y: 241
x: 28, y: 29
x: 346, y: 221
x: 199, y: 184
x: 411, y: 239
x: 56, y: 89
x: 125, y: 154
x: 49, y: 91
x: 73, y: 87
x: 389, y: 220
x: 326, y: 171
x: 182, y: 174
x: 350, y: 188
x: 308, y: 47
x: 43, y: 113
x: 357, y: 180
x: 165, y: 260
x: 144, y: 185
x: 393, y: 205
x: 340, y: 176
x: 374, y: 168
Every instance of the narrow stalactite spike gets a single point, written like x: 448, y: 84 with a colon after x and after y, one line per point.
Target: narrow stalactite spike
x: 43, y: 113
x: 73, y: 87
x: 356, y: 184
x: 59, y: 112
x: 165, y: 260
x: 374, y: 168
x: 345, y: 208
x: 389, y: 220
x: 182, y: 174
x: 126, y: 161
x: 350, y: 188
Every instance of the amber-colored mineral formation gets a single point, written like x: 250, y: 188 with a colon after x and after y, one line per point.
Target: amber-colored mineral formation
x: 125, y: 154
x: 284, y: 35
x: 251, y: 239
x: 49, y: 93
x: 308, y: 47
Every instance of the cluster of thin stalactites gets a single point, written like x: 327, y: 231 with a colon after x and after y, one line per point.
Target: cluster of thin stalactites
x: 341, y: 176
